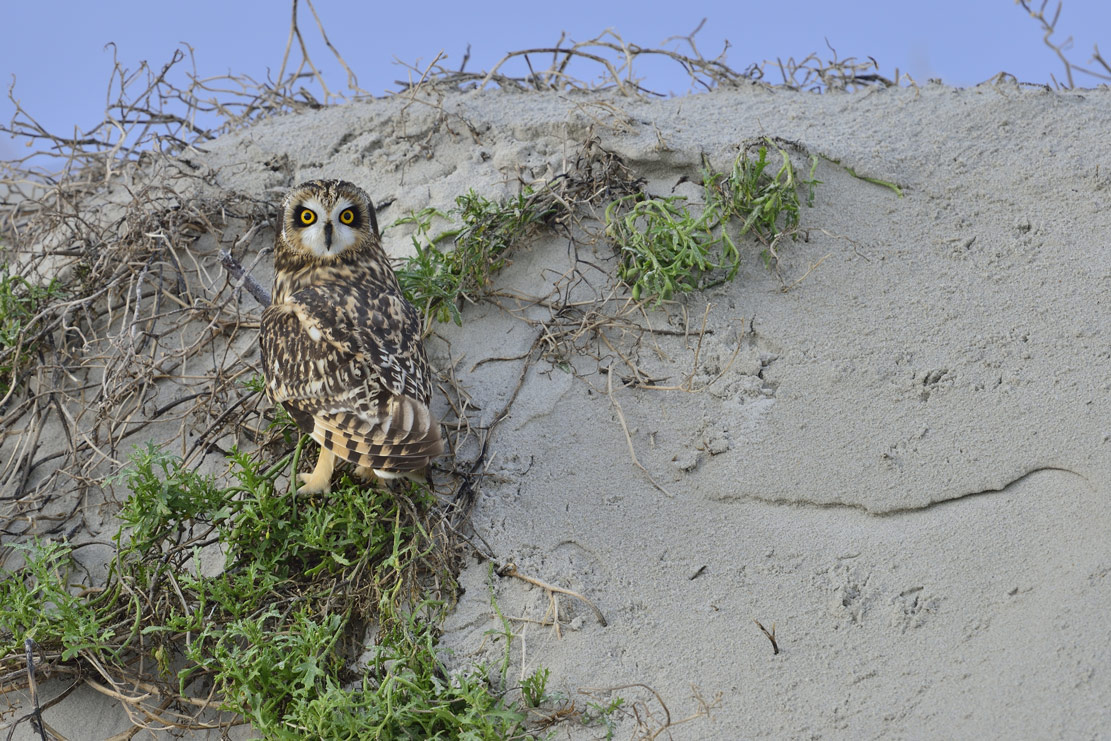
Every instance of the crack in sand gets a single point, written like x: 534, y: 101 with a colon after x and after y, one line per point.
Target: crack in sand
x: 783, y: 501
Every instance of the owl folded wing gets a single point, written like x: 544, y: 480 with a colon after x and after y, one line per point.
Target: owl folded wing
x: 348, y: 365
x: 378, y: 328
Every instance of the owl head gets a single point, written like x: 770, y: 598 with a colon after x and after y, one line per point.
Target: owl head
x: 323, y: 219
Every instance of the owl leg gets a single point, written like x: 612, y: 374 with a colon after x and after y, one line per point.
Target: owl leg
x: 320, y: 480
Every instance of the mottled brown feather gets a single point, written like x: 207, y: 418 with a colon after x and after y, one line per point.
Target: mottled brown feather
x: 341, y: 347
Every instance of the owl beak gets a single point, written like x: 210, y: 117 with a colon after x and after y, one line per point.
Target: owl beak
x: 328, y: 236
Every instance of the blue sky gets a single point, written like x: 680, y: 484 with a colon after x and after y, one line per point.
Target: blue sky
x: 56, y: 50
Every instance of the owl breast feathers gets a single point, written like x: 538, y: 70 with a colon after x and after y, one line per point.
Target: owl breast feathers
x: 341, y: 347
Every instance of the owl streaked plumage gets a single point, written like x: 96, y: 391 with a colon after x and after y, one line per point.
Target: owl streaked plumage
x: 341, y: 347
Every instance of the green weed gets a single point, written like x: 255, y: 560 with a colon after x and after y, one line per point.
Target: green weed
x: 666, y: 247
x: 455, y: 265
x: 20, y: 303
x: 598, y: 714
x: 765, y: 203
x: 273, y: 632
x: 172, y: 496
x: 534, y: 687
x: 438, y: 279
x: 38, y: 603
x: 280, y: 421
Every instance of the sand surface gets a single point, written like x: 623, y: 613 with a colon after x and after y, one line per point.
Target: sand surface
x: 902, y: 461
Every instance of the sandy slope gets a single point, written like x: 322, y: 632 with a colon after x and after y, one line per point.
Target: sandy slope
x: 902, y: 462
x: 905, y: 469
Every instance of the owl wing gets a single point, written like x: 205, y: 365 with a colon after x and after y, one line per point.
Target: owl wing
x: 347, y: 362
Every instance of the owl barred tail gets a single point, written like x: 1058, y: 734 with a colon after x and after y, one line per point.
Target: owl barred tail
x: 405, y: 440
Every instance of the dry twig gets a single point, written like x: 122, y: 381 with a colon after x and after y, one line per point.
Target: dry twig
x: 510, y: 569
x: 628, y: 437
x: 1049, y: 27
x: 648, y: 726
x: 770, y: 634
x: 617, y: 60
x: 33, y: 687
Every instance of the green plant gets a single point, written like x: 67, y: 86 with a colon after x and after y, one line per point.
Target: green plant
x: 255, y: 383
x: 665, y: 247
x: 437, y: 280
x: 280, y: 421
x: 171, y: 496
x: 20, y: 304
x: 598, y: 713
x: 764, y: 203
x: 38, y: 604
x: 506, y: 631
x: 534, y: 687
x: 274, y: 630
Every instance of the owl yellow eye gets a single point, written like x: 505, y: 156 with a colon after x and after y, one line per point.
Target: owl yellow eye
x: 307, y: 216
x: 347, y: 216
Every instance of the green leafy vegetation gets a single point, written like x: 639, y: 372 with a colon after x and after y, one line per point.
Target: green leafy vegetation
x: 766, y: 204
x: 39, y: 605
x: 665, y: 246
x: 20, y: 303
x: 534, y: 686
x: 438, y: 278
x: 597, y: 713
x: 264, y: 597
x: 455, y: 264
x: 280, y: 420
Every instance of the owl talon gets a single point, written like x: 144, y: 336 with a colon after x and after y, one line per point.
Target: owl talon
x: 309, y: 485
x: 320, y: 480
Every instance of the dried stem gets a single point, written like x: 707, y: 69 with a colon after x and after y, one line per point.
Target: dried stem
x: 1049, y: 27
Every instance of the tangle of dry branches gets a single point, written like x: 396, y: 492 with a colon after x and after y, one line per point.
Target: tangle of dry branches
x: 1049, y: 27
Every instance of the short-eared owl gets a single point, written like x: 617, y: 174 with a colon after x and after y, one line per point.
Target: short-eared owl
x: 341, y: 347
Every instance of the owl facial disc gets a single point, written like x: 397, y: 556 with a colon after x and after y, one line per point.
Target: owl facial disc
x: 326, y: 235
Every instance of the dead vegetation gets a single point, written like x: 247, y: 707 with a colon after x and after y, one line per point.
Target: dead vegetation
x: 607, y: 61
x: 1098, y: 68
x: 149, y: 329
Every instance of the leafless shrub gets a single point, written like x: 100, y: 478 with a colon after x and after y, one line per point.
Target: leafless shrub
x: 1049, y: 27
x: 613, y: 61
x: 148, y: 328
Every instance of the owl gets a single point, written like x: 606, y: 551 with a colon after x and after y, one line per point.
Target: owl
x: 341, y: 347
